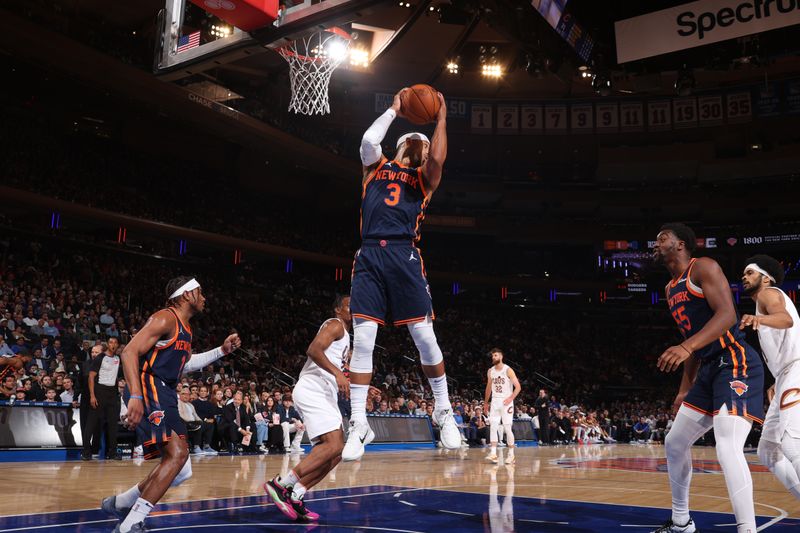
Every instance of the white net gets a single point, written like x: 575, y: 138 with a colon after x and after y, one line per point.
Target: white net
x: 312, y: 60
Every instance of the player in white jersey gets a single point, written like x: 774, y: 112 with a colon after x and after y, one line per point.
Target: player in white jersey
x: 500, y: 379
x: 316, y: 397
x: 778, y: 326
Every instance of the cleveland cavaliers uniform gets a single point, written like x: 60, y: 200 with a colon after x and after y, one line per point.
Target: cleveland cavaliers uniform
x: 781, y: 349
x: 161, y: 368
x: 502, y: 388
x: 731, y: 373
x: 316, y: 395
x: 388, y: 272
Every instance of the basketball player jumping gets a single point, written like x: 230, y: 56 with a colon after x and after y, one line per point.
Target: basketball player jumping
x: 153, y: 363
x: 500, y: 379
x: 388, y: 272
x: 778, y: 326
x: 316, y: 396
x: 723, y: 379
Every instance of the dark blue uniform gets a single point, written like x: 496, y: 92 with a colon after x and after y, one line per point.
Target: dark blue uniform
x: 731, y: 372
x: 388, y: 271
x: 161, y: 368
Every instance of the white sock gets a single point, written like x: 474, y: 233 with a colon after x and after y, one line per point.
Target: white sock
x: 288, y: 480
x: 440, y: 394
x: 128, y: 498
x: 358, y: 402
x: 298, y: 491
x: 138, y: 513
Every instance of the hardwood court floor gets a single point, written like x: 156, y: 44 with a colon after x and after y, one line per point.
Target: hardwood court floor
x: 623, y: 475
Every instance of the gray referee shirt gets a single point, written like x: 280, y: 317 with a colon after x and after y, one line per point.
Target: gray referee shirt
x: 107, y: 368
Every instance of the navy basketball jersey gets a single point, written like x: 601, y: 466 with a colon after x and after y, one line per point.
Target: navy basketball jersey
x: 167, y: 358
x: 393, y: 202
x: 691, y: 312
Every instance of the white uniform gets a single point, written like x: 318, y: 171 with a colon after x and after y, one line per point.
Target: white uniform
x: 316, y: 395
x: 781, y: 349
x: 502, y: 388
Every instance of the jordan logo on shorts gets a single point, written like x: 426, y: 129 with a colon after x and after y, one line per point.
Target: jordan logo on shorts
x: 412, y: 258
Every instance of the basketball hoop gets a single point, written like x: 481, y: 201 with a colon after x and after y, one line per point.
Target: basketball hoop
x: 312, y: 60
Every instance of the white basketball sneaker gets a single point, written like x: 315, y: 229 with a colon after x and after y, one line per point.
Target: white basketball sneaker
x: 449, y: 435
x: 358, y: 436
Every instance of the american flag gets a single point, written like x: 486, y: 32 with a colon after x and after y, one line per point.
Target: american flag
x: 188, y: 41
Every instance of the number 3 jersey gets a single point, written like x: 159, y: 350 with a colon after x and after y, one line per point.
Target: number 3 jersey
x: 393, y: 202
x: 691, y: 312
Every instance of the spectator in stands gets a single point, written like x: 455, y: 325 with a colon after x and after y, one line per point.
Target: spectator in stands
x: 9, y: 387
x: 268, y: 425
x: 384, y: 408
x: 20, y: 347
x: 48, y: 351
x: 194, y: 424
x: 50, y: 395
x: 5, y: 349
x: 41, y: 363
x: 238, y: 423
x: 68, y: 394
x: 291, y: 423
x: 479, y: 429
x: 641, y: 429
x: 205, y: 410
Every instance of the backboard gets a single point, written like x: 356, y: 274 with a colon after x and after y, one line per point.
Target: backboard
x: 194, y: 40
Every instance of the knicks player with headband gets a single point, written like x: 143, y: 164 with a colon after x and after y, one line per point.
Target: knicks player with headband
x: 503, y: 386
x: 316, y: 396
x: 778, y: 326
x: 389, y: 277
x: 723, y: 378
x: 153, y: 362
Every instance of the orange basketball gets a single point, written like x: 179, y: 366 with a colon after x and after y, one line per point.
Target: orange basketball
x: 420, y: 104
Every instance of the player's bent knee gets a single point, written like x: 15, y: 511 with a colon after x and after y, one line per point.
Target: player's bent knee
x: 184, y: 474
x: 425, y: 340
x: 364, y: 334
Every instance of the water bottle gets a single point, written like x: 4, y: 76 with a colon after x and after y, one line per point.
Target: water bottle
x: 12, y: 399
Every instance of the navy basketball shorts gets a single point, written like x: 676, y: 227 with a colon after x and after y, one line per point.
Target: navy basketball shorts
x: 389, y: 280
x: 161, y: 417
x: 733, y: 380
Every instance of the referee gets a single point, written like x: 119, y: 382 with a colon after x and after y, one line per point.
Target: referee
x: 104, y: 402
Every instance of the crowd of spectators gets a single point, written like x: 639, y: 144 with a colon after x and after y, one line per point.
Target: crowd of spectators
x: 57, y: 302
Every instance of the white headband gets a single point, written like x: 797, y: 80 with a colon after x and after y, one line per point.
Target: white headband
x: 753, y: 266
x: 186, y: 287
x: 414, y: 136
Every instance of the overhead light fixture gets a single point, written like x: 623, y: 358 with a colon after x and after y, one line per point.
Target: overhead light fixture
x: 359, y: 57
x: 685, y: 83
x: 492, y: 70
x: 452, y: 67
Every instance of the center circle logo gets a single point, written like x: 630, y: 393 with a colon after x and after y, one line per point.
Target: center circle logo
x: 227, y: 5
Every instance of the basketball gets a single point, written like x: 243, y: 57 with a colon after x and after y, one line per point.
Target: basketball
x: 420, y: 104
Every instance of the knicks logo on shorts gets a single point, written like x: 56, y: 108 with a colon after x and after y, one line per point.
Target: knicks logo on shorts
x: 739, y: 387
x: 787, y: 395
x: 156, y: 417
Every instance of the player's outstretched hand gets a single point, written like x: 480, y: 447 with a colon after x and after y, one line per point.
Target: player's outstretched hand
x: 442, y: 114
x: 135, y: 412
x: 396, y: 103
x: 343, y: 384
x: 672, y: 358
x: 232, y: 343
x: 749, y: 320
